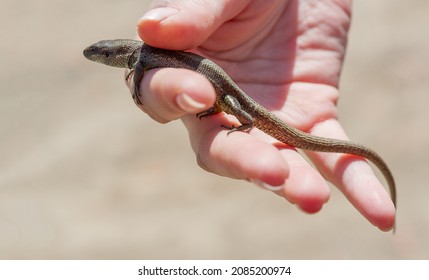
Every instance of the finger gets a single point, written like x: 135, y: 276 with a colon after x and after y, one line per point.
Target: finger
x: 253, y: 157
x: 185, y: 24
x: 236, y: 155
x: 355, y: 178
x: 167, y: 94
x: 304, y: 186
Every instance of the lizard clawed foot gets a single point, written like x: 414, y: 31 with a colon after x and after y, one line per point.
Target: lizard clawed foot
x: 243, y: 127
x: 207, y: 113
x: 136, y: 99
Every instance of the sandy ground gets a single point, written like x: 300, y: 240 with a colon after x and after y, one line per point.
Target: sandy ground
x: 84, y: 174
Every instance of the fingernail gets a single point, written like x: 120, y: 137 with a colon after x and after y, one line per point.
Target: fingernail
x: 159, y: 14
x: 188, y: 104
x: 264, y: 185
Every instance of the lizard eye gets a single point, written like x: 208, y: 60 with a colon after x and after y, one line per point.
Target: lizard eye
x: 106, y: 54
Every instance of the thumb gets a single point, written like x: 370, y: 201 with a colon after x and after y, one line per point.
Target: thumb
x: 185, y: 24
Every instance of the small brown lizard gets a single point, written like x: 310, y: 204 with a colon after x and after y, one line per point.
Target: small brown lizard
x: 230, y: 98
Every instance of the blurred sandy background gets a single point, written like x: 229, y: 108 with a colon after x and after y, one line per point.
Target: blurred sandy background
x: 84, y: 174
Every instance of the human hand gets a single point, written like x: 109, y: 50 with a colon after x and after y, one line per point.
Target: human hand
x: 287, y: 55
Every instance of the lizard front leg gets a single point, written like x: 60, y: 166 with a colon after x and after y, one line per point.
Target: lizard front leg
x: 138, y: 76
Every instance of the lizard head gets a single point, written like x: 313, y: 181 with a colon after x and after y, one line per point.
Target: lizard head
x: 117, y: 53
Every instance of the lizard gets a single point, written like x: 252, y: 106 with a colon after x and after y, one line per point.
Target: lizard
x: 141, y: 57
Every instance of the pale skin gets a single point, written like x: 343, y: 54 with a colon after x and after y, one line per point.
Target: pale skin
x: 288, y: 56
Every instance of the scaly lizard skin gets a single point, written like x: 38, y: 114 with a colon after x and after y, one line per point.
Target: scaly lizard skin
x: 230, y: 98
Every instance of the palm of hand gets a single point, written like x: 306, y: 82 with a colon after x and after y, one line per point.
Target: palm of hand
x: 270, y: 63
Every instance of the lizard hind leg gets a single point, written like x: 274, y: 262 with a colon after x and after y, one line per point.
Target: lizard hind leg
x: 232, y: 106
